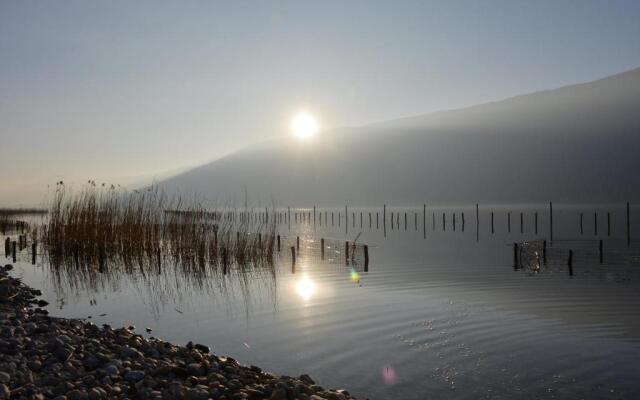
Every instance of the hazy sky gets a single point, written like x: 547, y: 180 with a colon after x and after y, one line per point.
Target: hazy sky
x: 122, y: 89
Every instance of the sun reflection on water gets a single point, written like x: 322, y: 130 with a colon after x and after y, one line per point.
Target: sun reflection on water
x: 305, y: 287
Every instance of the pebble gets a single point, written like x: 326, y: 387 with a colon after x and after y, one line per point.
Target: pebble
x: 134, y: 376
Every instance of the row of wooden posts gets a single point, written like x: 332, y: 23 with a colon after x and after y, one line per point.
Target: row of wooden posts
x: 11, y: 248
x: 296, y: 250
x: 311, y: 217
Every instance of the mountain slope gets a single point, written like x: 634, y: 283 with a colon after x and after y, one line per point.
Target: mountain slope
x: 577, y: 143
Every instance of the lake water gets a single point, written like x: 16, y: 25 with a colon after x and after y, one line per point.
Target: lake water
x: 439, y: 314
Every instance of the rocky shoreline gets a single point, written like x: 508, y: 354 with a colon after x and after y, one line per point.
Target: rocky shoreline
x: 43, y: 357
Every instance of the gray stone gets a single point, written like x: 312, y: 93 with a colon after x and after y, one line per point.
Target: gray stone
x: 307, y: 379
x: 76, y: 394
x: 197, y: 394
x: 111, y: 369
x: 278, y: 394
x: 130, y: 352
x: 4, y: 377
x: 134, y: 376
x: 195, y: 369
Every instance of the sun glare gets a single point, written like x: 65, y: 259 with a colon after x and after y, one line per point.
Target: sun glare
x: 305, y: 287
x: 304, y: 125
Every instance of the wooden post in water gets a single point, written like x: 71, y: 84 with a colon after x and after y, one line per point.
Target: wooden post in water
x: 600, y: 251
x: 433, y: 221
x: 536, y: 222
x: 278, y: 243
x: 521, y: 223
x: 515, y: 256
x: 509, y: 221
x: 314, y: 215
x: 463, y: 222
x: 443, y: 222
x: 298, y: 243
x: 224, y: 260
x: 159, y: 260
x: 332, y: 222
x: 13, y: 250
x: 477, y: 223
x: 293, y: 260
x: 322, y: 248
x: 34, y: 246
x: 454, y: 222
x: 628, y: 226
x: 570, y: 263
x: 360, y: 219
x: 377, y: 220
x: 595, y: 223
x: 405, y: 220
x: 7, y: 247
x: 415, y: 220
x: 544, y: 252
x: 370, y: 220
x: 551, y: 221
x: 384, y: 219
x: 424, y: 221
x: 346, y: 253
x: 581, y: 226
x: 366, y: 258
x: 346, y: 220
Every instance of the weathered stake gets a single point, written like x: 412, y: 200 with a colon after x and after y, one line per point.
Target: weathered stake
x: 551, y: 221
x: 346, y: 253
x: 628, y: 226
x: 570, y: 263
x: 366, y: 258
x: 600, y: 251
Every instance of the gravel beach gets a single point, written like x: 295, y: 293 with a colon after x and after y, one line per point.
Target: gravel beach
x: 43, y: 357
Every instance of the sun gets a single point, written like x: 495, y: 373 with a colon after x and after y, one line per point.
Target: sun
x: 304, y: 125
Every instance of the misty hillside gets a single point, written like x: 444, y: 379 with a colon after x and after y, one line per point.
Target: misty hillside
x: 576, y: 143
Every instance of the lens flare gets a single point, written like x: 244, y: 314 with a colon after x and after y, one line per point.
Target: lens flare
x: 354, y: 275
x: 389, y: 376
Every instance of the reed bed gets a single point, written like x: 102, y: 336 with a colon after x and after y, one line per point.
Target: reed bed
x: 100, y: 228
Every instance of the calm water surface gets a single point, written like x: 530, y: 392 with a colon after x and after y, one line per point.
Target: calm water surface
x: 439, y: 314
